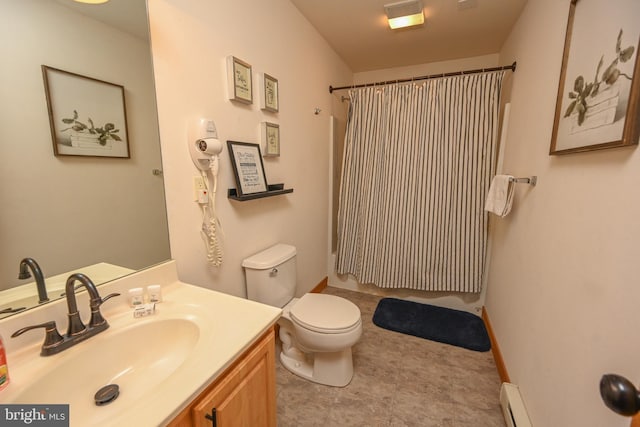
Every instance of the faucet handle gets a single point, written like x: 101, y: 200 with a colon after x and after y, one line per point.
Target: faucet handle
x: 115, y: 294
x: 96, y: 316
x: 95, y: 303
x: 51, y: 338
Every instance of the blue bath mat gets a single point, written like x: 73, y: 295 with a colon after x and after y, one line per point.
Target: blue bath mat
x: 439, y: 324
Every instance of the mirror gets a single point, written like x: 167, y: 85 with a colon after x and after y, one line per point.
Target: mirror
x: 100, y: 215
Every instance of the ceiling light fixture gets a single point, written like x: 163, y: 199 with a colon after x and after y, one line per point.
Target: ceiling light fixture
x: 405, y: 13
x: 91, y: 1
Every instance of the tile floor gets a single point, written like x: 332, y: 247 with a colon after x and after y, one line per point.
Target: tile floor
x: 399, y: 381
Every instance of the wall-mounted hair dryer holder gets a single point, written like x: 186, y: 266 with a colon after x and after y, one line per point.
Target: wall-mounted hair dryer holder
x: 204, y: 145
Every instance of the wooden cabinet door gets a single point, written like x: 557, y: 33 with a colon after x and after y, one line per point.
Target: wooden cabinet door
x: 245, y: 396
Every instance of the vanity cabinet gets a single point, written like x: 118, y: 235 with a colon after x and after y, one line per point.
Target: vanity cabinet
x: 244, y: 395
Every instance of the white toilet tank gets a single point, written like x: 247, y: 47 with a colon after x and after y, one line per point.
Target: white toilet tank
x: 271, y: 275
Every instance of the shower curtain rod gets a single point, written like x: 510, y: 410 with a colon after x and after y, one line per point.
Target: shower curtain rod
x: 511, y: 67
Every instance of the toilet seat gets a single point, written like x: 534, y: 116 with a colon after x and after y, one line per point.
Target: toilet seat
x: 326, y: 314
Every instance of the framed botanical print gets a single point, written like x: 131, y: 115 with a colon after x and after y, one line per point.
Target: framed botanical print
x: 87, y: 116
x: 239, y: 80
x: 269, y: 93
x: 270, y: 139
x: 598, y: 98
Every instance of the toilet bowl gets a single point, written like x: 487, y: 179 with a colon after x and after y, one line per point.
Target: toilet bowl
x: 318, y: 347
x: 317, y: 331
x: 325, y: 322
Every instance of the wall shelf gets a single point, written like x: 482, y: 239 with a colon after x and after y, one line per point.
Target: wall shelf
x: 273, y: 190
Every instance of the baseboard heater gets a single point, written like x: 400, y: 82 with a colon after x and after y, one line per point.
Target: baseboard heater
x: 515, y: 413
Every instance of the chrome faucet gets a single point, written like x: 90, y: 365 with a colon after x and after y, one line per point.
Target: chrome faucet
x: 76, y: 331
x: 30, y: 263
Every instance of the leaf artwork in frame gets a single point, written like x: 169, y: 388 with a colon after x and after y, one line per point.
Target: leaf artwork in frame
x: 87, y: 116
x: 599, y: 90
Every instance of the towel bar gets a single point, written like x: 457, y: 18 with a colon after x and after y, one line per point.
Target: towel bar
x: 532, y: 180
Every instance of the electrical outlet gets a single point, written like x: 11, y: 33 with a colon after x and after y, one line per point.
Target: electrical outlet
x: 198, y: 188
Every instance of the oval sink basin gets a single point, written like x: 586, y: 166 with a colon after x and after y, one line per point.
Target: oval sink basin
x: 137, y: 358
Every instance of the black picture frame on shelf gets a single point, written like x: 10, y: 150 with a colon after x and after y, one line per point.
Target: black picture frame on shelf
x: 248, y: 169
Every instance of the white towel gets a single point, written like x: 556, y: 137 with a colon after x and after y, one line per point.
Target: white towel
x: 500, y: 197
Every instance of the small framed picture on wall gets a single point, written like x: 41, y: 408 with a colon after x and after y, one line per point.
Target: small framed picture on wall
x: 239, y: 80
x: 270, y: 139
x: 269, y: 100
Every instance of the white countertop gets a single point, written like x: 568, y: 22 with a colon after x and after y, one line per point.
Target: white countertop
x: 226, y: 325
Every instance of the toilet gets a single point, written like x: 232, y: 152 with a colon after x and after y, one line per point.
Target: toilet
x: 317, y: 330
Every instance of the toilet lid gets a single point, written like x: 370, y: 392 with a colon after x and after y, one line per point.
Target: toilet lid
x: 325, y: 312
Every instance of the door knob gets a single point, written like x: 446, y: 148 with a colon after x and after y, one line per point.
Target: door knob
x: 619, y: 394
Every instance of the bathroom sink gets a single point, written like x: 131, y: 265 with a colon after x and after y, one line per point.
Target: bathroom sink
x: 137, y: 359
x: 160, y: 363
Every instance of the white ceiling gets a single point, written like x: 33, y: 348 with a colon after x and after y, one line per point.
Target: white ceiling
x: 357, y: 30
x: 127, y: 15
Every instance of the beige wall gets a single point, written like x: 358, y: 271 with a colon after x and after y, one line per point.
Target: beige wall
x: 191, y: 40
x: 472, y: 63
x: 563, y: 283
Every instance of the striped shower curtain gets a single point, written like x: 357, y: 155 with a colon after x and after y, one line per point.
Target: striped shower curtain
x: 418, y: 161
